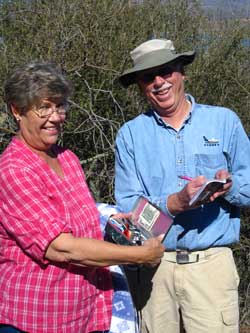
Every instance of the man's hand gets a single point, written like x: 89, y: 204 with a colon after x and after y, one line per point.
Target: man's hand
x: 179, y: 202
x: 222, y: 174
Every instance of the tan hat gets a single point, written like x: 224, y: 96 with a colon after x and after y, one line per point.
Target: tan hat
x: 153, y: 53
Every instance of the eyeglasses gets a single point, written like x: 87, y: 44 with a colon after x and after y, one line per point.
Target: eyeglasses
x: 46, y: 110
x: 149, y: 76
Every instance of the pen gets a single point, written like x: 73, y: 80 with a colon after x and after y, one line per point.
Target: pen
x: 185, y: 177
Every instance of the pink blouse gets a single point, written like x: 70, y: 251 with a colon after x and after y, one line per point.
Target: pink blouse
x: 35, y: 207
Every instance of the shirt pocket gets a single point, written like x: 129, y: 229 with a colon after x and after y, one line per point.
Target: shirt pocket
x: 208, y: 164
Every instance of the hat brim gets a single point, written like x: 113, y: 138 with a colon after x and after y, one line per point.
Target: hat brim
x: 155, y: 59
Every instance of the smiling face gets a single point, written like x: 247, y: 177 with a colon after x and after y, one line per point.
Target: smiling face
x: 40, y: 133
x: 164, y: 88
x: 36, y: 93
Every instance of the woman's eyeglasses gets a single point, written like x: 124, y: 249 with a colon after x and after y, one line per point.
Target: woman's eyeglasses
x: 46, y: 110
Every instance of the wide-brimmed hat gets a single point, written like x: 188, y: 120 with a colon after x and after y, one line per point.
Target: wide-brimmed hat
x: 153, y: 53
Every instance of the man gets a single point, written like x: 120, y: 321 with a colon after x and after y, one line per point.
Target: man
x: 197, y: 281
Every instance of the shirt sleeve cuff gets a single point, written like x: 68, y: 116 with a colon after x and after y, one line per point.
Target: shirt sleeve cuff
x: 162, y: 203
x: 231, y: 195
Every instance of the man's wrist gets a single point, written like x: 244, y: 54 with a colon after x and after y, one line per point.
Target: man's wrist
x: 174, y: 204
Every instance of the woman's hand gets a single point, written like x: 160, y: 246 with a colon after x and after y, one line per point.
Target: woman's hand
x: 126, y: 216
x: 155, y: 249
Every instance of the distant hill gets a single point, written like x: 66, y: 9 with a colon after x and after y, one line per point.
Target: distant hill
x: 227, y: 8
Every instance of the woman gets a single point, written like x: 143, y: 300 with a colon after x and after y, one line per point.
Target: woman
x: 52, y: 258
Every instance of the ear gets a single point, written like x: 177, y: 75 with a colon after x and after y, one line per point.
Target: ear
x: 16, y: 113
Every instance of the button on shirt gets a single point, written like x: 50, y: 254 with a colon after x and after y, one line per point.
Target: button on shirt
x: 150, y: 155
x: 36, y: 206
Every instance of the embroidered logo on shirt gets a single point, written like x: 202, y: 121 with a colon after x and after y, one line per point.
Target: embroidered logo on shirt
x: 210, y: 142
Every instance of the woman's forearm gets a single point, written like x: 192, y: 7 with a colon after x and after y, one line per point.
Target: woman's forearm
x: 93, y: 252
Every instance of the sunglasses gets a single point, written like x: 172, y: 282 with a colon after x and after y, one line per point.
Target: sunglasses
x: 149, y: 76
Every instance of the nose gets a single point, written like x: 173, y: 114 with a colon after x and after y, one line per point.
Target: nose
x: 159, y: 81
x: 55, y: 117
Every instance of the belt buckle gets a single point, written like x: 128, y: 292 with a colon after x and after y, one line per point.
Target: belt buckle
x: 182, y: 257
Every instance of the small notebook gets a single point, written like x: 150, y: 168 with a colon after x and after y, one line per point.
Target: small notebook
x: 206, y: 190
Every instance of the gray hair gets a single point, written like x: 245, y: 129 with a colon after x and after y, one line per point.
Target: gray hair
x: 32, y: 82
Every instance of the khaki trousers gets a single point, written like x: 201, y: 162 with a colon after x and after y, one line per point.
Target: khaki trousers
x: 201, y: 297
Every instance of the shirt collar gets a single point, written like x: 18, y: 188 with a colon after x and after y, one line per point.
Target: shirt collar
x: 191, y: 99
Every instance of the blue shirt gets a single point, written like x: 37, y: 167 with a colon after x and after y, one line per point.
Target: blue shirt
x: 150, y: 155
